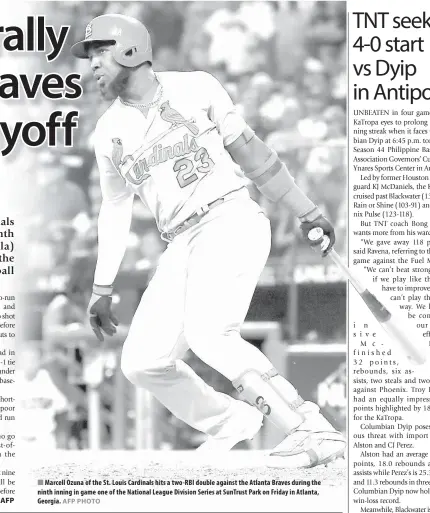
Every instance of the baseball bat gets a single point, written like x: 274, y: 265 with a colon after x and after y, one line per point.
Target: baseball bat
x: 391, y: 325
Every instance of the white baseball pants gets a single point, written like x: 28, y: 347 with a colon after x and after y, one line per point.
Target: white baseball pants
x: 198, y: 299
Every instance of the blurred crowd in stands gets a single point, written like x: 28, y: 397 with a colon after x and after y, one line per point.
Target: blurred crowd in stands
x: 283, y: 64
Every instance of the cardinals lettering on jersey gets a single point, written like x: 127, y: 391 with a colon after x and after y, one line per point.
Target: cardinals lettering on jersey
x: 174, y: 158
x: 157, y: 155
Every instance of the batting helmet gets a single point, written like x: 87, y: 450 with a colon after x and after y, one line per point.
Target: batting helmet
x: 131, y: 38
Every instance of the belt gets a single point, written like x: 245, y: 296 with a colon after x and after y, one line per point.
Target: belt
x: 194, y: 219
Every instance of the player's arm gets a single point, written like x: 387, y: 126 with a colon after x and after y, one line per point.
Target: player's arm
x: 271, y: 176
x: 57, y: 330
x: 114, y: 222
x: 261, y: 164
x: 56, y: 326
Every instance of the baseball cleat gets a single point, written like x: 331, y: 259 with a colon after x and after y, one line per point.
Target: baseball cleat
x: 314, y: 442
x: 243, y: 425
x: 305, y: 449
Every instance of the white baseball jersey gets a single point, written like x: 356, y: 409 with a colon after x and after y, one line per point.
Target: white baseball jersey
x: 174, y: 159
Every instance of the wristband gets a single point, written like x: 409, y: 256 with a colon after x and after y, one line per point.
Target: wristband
x: 103, y: 290
x: 311, y: 216
x: 297, y: 201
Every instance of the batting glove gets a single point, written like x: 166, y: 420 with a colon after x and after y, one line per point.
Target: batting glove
x: 325, y: 233
x: 100, y: 313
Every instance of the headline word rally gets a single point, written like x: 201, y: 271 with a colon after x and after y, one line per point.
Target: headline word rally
x: 37, y: 37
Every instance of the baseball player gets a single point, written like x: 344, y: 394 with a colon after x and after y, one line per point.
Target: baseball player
x: 175, y: 140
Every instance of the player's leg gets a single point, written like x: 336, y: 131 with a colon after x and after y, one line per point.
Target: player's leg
x: 229, y: 251
x: 154, y: 346
x: 228, y: 256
